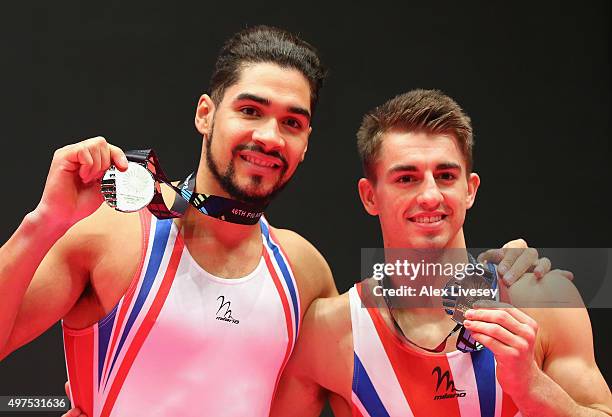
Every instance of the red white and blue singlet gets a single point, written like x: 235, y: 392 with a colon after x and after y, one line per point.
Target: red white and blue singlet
x: 393, y: 380
x: 182, y: 342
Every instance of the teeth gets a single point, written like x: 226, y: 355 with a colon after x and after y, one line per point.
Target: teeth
x: 258, y: 161
x: 431, y: 219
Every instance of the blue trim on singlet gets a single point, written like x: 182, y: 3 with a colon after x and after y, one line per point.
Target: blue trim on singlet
x: 365, y: 391
x: 162, y: 231
x: 285, y: 272
x: 493, y: 269
x: 483, y: 362
x: 104, y: 334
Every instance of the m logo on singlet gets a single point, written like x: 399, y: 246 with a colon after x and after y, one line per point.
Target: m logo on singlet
x: 451, y: 391
x: 224, y: 313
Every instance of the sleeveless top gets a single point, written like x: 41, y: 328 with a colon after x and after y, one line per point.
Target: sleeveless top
x: 393, y: 380
x: 182, y: 341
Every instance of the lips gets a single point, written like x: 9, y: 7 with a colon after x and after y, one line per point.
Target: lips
x: 261, y: 160
x: 427, y: 219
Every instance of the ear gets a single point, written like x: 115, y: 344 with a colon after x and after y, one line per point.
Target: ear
x: 306, y: 147
x: 205, y: 112
x: 473, y: 183
x: 368, y: 199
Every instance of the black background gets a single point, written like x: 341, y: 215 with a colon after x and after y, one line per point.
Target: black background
x: 535, y: 78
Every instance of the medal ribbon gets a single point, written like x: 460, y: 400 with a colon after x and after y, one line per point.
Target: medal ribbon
x: 211, y: 205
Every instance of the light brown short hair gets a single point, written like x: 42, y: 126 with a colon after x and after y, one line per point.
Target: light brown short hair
x: 429, y: 111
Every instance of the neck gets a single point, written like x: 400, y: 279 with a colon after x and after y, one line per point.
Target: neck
x: 198, y: 227
x: 424, y: 309
x: 422, y: 315
x: 392, y: 239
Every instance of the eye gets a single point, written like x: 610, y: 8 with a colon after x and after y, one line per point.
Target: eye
x: 404, y: 179
x: 447, y: 176
x: 294, y: 123
x: 249, y: 111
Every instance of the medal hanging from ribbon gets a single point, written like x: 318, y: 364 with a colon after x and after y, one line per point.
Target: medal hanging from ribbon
x: 139, y: 187
x: 455, y: 307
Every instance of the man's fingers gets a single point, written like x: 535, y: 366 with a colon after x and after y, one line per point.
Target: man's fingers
x: 516, y: 244
x: 118, y: 157
x: 490, y: 305
x: 84, y: 158
x: 512, y: 319
x: 542, y: 267
x: 498, y: 348
x: 494, y: 330
x: 492, y: 256
x: 97, y: 162
x: 521, y: 264
x: 509, y: 257
x: 95, y: 156
x: 67, y: 388
x: 511, y: 251
x: 105, y: 160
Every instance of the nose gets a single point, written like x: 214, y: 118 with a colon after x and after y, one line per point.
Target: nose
x: 429, y: 197
x: 268, y: 135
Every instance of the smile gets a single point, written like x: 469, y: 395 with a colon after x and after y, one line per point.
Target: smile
x: 427, y: 219
x: 259, y: 161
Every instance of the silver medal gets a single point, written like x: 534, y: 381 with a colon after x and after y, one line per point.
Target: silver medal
x: 128, y: 191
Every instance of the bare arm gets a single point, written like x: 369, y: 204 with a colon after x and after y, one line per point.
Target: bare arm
x: 38, y: 272
x: 314, y: 276
x: 322, y: 362
x: 298, y: 393
x: 20, y: 257
x: 569, y: 383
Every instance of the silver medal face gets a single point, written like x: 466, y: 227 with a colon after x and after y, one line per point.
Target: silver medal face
x: 128, y: 191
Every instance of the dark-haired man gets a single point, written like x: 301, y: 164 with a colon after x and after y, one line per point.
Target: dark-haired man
x: 162, y: 322
x: 190, y: 317
x: 408, y: 360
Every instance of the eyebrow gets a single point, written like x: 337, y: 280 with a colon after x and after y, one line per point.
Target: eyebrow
x: 265, y: 102
x: 448, y: 165
x: 253, y: 97
x: 403, y: 168
x: 413, y: 168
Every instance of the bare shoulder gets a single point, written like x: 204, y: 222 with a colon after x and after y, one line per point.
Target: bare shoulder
x: 106, y: 229
x: 309, y: 267
x: 327, y: 320
x: 330, y: 317
x: 108, y: 247
x: 564, y: 345
x: 551, y: 291
x: 298, y: 249
x: 556, y: 305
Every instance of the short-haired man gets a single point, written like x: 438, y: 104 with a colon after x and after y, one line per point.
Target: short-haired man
x: 140, y: 297
x: 388, y: 361
x: 196, y: 316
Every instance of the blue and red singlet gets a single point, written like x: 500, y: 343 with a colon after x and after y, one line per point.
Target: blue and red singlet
x: 182, y: 342
x: 393, y: 380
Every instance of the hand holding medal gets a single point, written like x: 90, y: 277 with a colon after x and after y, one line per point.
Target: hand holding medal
x: 139, y: 187
x: 71, y: 191
x: 130, y: 190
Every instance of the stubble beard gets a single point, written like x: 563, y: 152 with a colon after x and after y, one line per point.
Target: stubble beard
x: 227, y: 179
